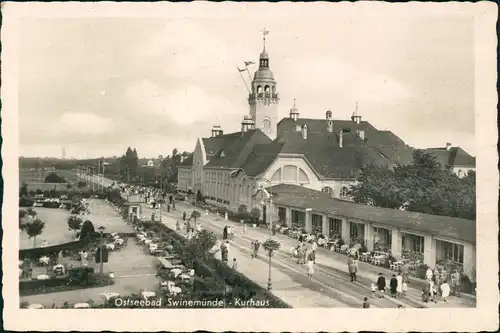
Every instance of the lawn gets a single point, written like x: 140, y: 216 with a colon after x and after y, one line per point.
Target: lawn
x: 56, y: 224
x: 56, y: 228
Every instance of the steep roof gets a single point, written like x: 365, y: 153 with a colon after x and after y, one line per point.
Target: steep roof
x: 232, y: 150
x: 437, y: 225
x: 322, y: 149
x: 261, y: 158
x: 455, y: 156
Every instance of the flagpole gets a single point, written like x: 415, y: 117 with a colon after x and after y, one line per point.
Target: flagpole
x: 246, y: 85
x: 249, y: 76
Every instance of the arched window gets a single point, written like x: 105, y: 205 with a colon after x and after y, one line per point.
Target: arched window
x: 259, y: 89
x: 327, y: 189
x: 267, y: 89
x: 290, y: 174
x: 276, y: 178
x: 303, y: 179
x: 344, y: 191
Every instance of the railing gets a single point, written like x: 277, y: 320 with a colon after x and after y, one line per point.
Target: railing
x: 263, y: 95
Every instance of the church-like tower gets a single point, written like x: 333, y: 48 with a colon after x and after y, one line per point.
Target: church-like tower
x: 264, y: 98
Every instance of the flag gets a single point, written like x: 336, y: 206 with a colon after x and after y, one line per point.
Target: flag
x: 241, y: 70
x: 265, y: 32
x: 248, y: 63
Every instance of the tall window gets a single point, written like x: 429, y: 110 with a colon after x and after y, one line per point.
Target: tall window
x: 276, y: 178
x: 354, y: 230
x: 454, y: 252
x: 344, y: 191
x: 335, y: 226
x: 303, y: 179
x: 317, y: 223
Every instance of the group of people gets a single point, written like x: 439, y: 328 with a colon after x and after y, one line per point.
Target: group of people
x: 227, y: 232
x: 306, y: 255
x: 436, y: 284
x: 188, y: 228
x: 398, y: 285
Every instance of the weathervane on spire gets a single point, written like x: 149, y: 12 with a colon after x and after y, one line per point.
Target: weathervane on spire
x: 264, y: 33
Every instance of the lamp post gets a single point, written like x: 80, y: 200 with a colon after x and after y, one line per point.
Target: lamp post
x: 101, y: 248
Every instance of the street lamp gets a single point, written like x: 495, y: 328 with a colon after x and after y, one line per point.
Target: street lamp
x: 269, y: 198
x: 101, y: 231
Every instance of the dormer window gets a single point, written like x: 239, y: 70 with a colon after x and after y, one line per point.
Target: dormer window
x: 222, y: 154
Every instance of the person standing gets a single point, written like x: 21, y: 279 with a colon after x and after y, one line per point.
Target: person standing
x: 229, y: 232
x: 405, y: 272
x: 177, y: 225
x: 426, y: 291
x: 381, y: 284
x: 455, y: 283
x: 428, y: 274
x: 184, y: 216
x: 244, y: 228
x: 393, y: 285
x: 366, y: 304
x: 224, y: 233
x: 437, y: 280
x: 399, y: 288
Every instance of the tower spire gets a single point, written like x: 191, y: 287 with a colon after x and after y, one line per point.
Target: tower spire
x: 264, y: 33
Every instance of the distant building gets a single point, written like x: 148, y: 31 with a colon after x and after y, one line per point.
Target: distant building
x: 454, y: 158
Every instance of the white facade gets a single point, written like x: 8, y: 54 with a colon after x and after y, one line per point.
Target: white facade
x: 294, y: 169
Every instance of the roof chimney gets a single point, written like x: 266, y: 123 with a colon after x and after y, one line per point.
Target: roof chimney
x: 341, y: 138
x: 448, y: 145
x: 304, y: 132
x: 247, y: 124
x: 216, y: 131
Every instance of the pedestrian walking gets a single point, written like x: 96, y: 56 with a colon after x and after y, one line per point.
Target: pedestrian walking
x: 235, y: 264
x: 393, y: 285
x: 177, y: 225
x: 184, y: 216
x: 229, y: 232
x: 437, y: 279
x: 353, y: 269
x: 381, y: 285
x: 429, y: 274
x: 255, y: 248
x: 399, y: 288
x: 225, y: 216
x: 445, y: 291
x: 405, y: 288
x: 224, y: 233
x: 433, y: 291
x: 373, y: 288
x: 314, y: 247
x: 310, y: 267
x: 366, y: 304
x: 244, y: 228
x: 426, y: 291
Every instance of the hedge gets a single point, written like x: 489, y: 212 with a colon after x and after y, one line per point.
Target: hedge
x: 215, y: 268
x: 54, y: 285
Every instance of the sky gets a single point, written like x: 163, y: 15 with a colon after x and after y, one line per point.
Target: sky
x: 98, y: 85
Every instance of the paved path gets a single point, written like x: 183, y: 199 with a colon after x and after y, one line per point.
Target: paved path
x: 330, y: 287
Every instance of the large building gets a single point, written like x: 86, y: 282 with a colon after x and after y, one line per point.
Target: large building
x: 320, y: 154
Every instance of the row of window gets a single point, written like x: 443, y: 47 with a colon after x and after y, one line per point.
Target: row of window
x: 344, y: 191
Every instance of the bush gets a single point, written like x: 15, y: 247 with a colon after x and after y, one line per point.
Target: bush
x: 26, y: 202
x: 466, y: 286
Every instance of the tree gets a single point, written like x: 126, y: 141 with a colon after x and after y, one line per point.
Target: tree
x: 31, y: 212
x: 242, y: 209
x: 23, y: 191
x: 199, y: 197
x: 255, y: 214
x: 87, y: 230
x: 195, y: 214
x: 74, y: 223
x: 54, y: 178
x: 271, y: 246
x: 34, y: 229
x: 423, y: 186
x: 198, y: 248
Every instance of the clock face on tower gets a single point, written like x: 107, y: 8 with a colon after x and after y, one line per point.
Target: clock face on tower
x: 266, y: 126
